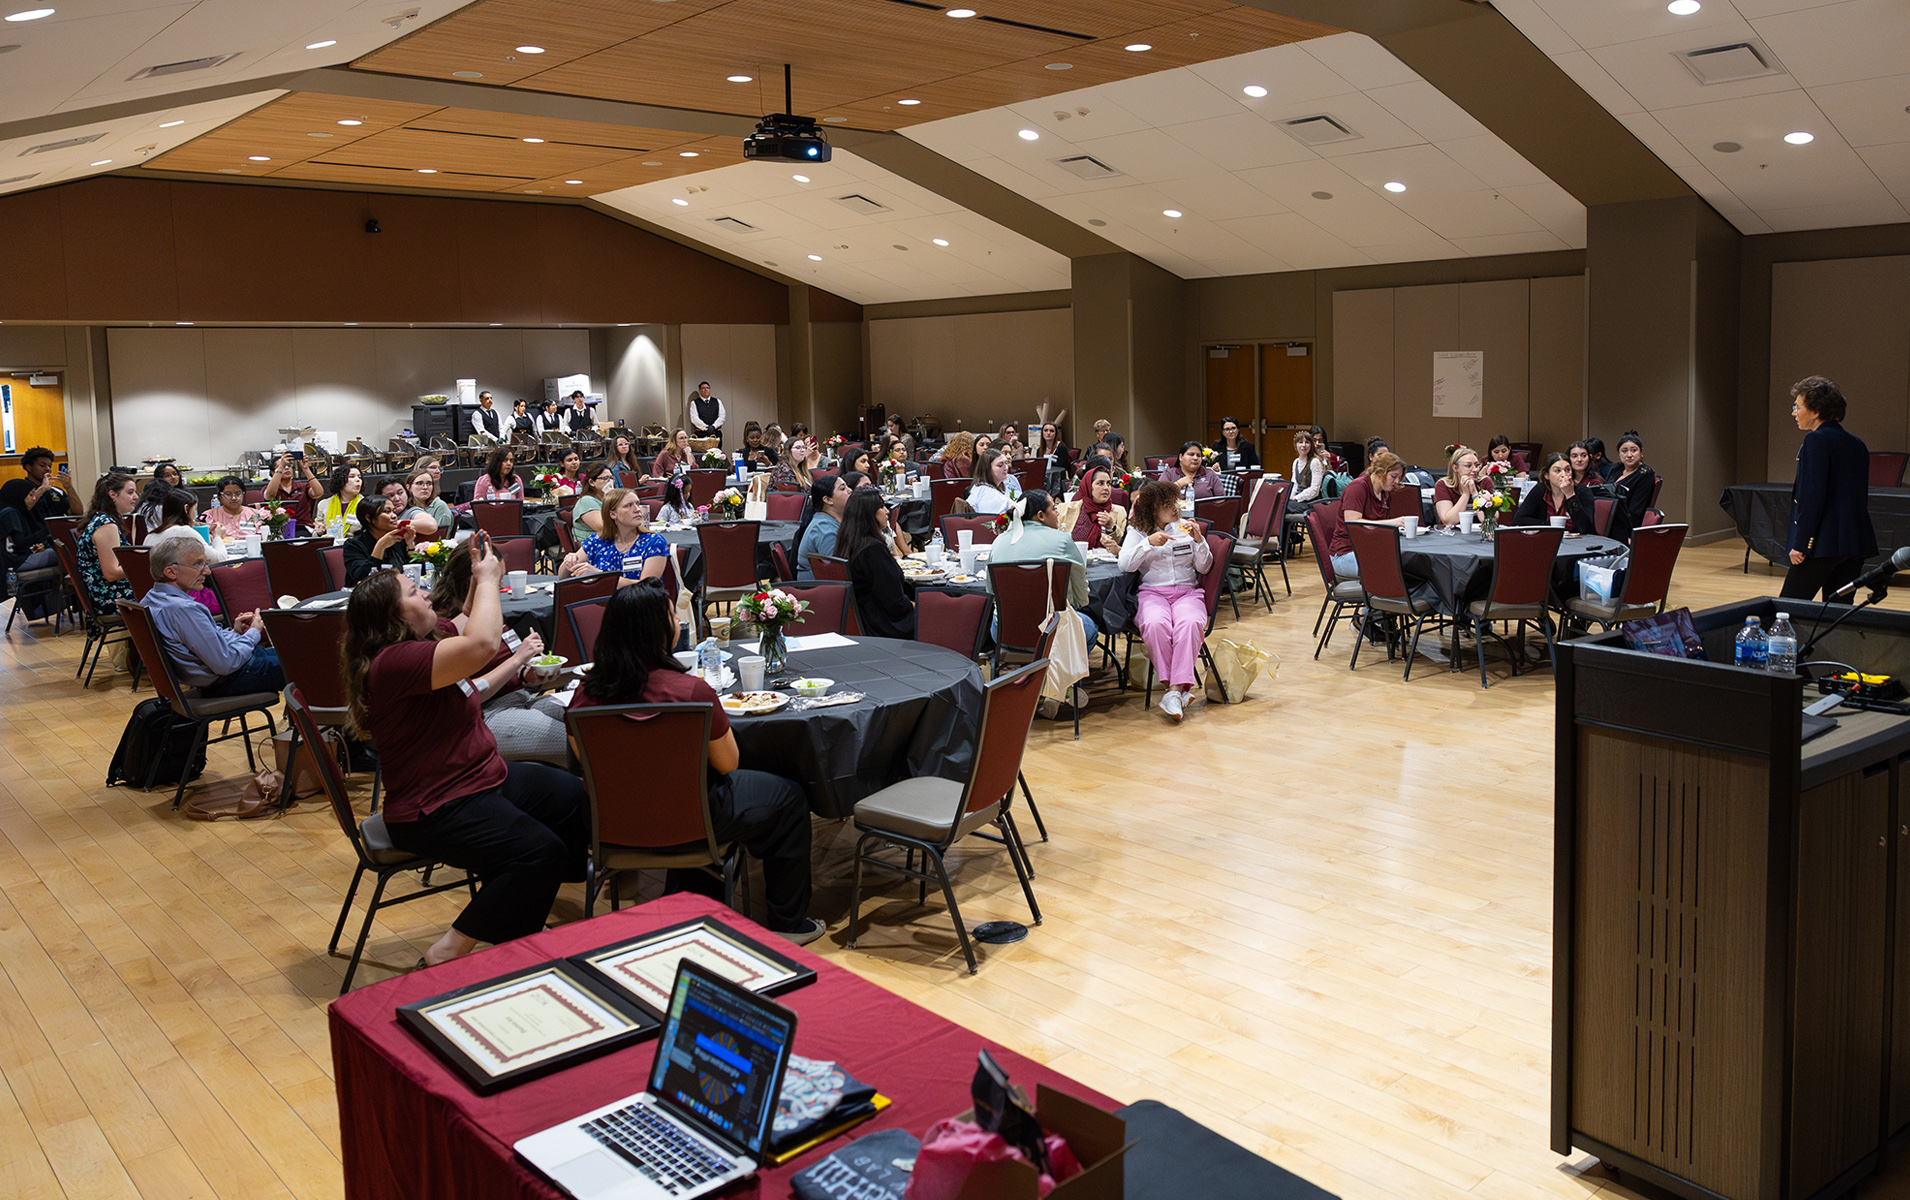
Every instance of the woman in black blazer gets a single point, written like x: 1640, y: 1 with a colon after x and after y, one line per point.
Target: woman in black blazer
x: 1831, y: 535
x: 1554, y: 496
x: 1631, y: 487
x: 885, y: 605
x: 1236, y: 452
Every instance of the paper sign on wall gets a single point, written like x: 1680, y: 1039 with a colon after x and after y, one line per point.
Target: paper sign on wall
x: 1459, y: 383
x: 6, y: 416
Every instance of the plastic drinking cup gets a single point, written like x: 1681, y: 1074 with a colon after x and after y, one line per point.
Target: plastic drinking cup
x: 967, y: 556
x: 254, y: 546
x: 1083, y: 547
x: 749, y: 671
x: 1465, y: 522
x: 932, y: 554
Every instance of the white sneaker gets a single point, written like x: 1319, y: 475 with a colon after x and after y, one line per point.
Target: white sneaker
x: 1080, y: 696
x: 1173, y: 705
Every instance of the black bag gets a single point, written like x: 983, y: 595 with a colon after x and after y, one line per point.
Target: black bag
x: 1120, y: 603
x: 154, y: 732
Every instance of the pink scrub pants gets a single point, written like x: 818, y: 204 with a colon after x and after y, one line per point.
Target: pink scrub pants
x: 1173, y: 622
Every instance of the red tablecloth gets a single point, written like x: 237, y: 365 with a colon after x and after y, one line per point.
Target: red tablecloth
x: 409, y: 1127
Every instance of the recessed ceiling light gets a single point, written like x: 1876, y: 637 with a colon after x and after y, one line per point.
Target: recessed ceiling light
x: 530, y: 49
x: 1170, y: 212
x: 230, y: 171
x: 815, y: 258
x: 1137, y: 47
x: 800, y: 178
x: 1028, y: 135
x: 1097, y: 222
x: 1800, y: 138
x: 1061, y: 66
x: 31, y: 14
x: 908, y: 101
x: 573, y: 182
x: 427, y: 170
x: 349, y: 121
x: 322, y: 45
x: 535, y: 141
x: 1683, y: 8
x: 939, y: 241
x: 741, y: 78
x: 652, y: 164
x: 1254, y: 90
x: 680, y: 200
x: 957, y: 13
x: 1323, y: 195
x: 257, y: 158
x: 171, y: 124
x: 686, y: 154
x: 1396, y: 187
x: 467, y: 74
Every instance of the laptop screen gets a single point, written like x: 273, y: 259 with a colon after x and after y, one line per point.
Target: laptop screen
x: 721, y: 1057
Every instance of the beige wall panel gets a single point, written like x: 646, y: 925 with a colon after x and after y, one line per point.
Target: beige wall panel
x: 740, y: 363
x: 1555, y: 402
x: 1425, y: 320
x: 1494, y: 317
x: 32, y: 346
x: 339, y: 389
x: 638, y: 391
x: 1848, y: 319
x: 248, y: 372
x: 552, y: 354
x: 496, y: 361
x: 977, y: 370
x: 159, y: 395
x: 835, y: 355
x: 414, y: 362
x: 1362, y: 364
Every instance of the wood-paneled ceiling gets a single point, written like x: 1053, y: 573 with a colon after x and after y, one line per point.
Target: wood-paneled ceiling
x: 854, y: 61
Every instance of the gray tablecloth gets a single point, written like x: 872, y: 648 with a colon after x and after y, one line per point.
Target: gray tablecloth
x: 530, y: 612
x: 918, y: 719
x: 1762, y: 512
x: 1459, y: 565
x: 1101, y: 576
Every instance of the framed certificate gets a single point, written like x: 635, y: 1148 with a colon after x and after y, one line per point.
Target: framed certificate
x: 643, y: 969
x: 511, y: 1029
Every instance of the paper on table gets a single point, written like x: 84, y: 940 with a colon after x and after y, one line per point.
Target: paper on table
x: 818, y: 641
x: 329, y: 602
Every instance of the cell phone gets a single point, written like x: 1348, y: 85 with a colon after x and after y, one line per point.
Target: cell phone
x: 297, y: 455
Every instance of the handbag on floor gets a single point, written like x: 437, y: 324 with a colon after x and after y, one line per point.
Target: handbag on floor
x: 1236, y: 666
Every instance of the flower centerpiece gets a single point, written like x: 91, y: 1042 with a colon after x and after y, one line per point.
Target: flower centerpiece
x: 726, y: 505
x: 1131, y: 481
x: 1208, y: 457
x: 1489, y: 503
x: 550, y: 481
x: 432, y: 554
x: 1452, y: 448
x: 770, y: 611
x: 275, y: 515
x: 712, y: 458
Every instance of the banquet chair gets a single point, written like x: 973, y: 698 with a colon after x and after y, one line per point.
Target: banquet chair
x: 1153, y: 463
x: 1339, y: 593
x: 1521, y: 461
x: 1263, y: 543
x: 1602, y: 515
x: 188, y: 706
x: 942, y: 495
x: 929, y: 815
x: 982, y: 525
x: 1886, y: 468
x: 1033, y: 473
x: 334, y: 560
x: 499, y: 518
x: 566, y: 540
x: 136, y: 561
x: 296, y: 567
x: 575, y: 590
x: 657, y: 818
x: 1654, y: 553
x: 1221, y: 547
x: 729, y: 562
x: 1023, y: 594
x: 1222, y: 513
x: 1383, y: 579
x: 139, y: 530
x: 309, y: 641
x: 830, y: 603
x: 585, y: 619
x: 705, y: 483
x: 241, y: 587
x: 519, y: 552
x: 103, y: 627
x: 779, y: 559
x: 65, y: 529
x: 952, y: 620
x: 785, y: 506
x: 823, y: 567
x: 370, y: 842
x: 1522, y: 560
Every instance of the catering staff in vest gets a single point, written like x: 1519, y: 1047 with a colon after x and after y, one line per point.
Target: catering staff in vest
x: 577, y: 418
x: 549, y: 418
x: 485, y: 418
x: 707, y: 416
x: 521, y: 420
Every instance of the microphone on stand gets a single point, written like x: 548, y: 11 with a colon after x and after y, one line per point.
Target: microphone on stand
x: 1877, y: 576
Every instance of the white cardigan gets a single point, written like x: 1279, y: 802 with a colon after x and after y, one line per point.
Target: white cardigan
x: 1160, y: 566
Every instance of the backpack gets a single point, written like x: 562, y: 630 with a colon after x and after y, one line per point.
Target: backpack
x: 1332, y: 483
x: 154, y: 733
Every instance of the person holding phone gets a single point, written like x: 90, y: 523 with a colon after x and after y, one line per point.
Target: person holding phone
x: 43, y: 493
x: 288, y: 488
x: 1170, y: 555
x: 383, y: 540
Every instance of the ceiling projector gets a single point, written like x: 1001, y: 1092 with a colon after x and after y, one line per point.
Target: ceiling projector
x: 781, y: 137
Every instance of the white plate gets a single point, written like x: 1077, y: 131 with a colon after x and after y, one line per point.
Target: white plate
x: 759, y: 704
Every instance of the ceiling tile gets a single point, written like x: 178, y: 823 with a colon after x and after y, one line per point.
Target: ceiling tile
x: 1650, y: 71
x: 1455, y: 215
x: 1609, y: 22
x: 1296, y: 240
x: 1150, y: 155
x: 1428, y: 111
x: 1290, y: 75
x: 1377, y: 128
x: 1239, y: 142
x: 1872, y: 210
x: 1870, y: 112
x: 1492, y: 162
x: 1512, y: 243
x: 1840, y: 43
x: 1891, y: 164
x: 1657, y: 138
x: 1362, y: 62
x: 1551, y: 206
x: 1537, y: 25
x: 1171, y: 97
x: 1598, y: 82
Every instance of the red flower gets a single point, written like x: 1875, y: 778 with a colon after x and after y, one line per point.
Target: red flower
x: 760, y: 596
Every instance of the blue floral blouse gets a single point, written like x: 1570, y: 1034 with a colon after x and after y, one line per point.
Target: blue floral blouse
x: 604, y: 555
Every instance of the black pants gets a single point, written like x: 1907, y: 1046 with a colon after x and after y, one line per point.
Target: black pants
x: 769, y: 815
x: 1813, y: 575
x: 521, y: 840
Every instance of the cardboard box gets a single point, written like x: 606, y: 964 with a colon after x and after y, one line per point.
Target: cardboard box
x: 1098, y: 1139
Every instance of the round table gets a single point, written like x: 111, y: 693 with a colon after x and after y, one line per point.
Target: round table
x: 1459, y: 565
x: 534, y: 609
x: 1101, y: 577
x: 917, y: 718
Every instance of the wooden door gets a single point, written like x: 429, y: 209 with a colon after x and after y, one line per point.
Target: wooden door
x: 1286, y: 397
x: 1230, y: 389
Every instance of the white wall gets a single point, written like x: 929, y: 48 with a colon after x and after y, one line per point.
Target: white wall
x: 1847, y: 319
x: 207, y: 395
x: 975, y: 371
x: 639, y: 391
x: 740, y: 363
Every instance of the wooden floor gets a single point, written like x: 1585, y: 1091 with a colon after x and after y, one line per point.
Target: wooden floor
x: 1318, y: 921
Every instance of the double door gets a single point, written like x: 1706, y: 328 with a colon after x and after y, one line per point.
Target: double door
x: 1268, y: 388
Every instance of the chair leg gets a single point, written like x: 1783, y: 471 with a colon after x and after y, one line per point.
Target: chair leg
x: 1034, y: 810
x: 855, y: 892
x: 1321, y: 617
x: 1017, y: 845
x: 364, y: 932
x: 1480, y: 640
x: 1359, y: 639
x: 1023, y: 874
x: 344, y: 909
x: 955, y: 910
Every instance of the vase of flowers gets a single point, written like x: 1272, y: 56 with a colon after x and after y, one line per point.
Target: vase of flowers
x: 713, y: 459
x: 726, y: 505
x: 770, y: 611
x: 549, y: 481
x: 274, y: 517
x: 1489, y: 504
x: 431, y: 554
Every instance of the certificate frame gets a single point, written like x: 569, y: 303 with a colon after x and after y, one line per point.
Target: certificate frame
x: 453, y: 1025
x: 618, y: 966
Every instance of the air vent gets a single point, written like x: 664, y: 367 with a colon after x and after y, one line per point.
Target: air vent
x: 68, y: 144
x: 19, y: 179
x: 862, y: 204
x: 733, y: 224
x: 180, y: 68
x: 1086, y: 166
x: 1318, y: 130
x: 1728, y: 64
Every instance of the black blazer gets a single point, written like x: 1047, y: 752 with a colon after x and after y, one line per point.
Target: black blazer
x: 1830, y: 496
x: 883, y: 605
x: 359, y: 562
x: 1249, y: 457
x: 1578, y: 506
x: 1631, y: 500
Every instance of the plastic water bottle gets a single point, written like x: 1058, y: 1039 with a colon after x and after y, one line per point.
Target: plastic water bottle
x: 13, y: 582
x: 1752, y: 649
x: 1781, y: 653
x: 709, y: 661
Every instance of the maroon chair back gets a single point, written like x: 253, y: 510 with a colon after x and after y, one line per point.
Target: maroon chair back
x: 1033, y: 473
x: 66, y: 529
x: 566, y: 540
x: 704, y: 484
x: 1652, y: 517
x: 653, y: 490
x: 942, y: 495
x: 779, y: 558
x: 1263, y: 511
x: 1221, y: 545
x: 297, y: 568
x: 519, y: 553
x: 952, y: 620
x: 664, y: 804
x: 585, y: 620
x: 136, y: 561
x: 499, y: 518
x: 1521, y: 461
x: 241, y: 587
x: 829, y: 605
x: 1522, y: 558
x: 309, y: 641
x: 1657, y: 485
x: 1318, y: 520
x: 786, y: 506
x: 254, y: 496
x: 1022, y: 594
x: 139, y: 623
x: 1654, y: 552
x: 1602, y: 514
x: 1153, y: 463
x: 334, y: 559
x: 1220, y: 512
x: 981, y: 524
x: 576, y: 590
x: 329, y: 772
x: 70, y: 563
x: 822, y: 566
x: 1886, y: 468
x: 137, y: 535
x: 1008, y: 712
x: 729, y: 553
x: 1376, y: 549
x: 564, y: 506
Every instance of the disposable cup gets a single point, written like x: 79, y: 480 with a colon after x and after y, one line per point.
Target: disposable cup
x: 254, y: 546
x: 932, y: 555
x: 1083, y: 547
x: 749, y: 671
x: 1465, y: 522
x: 520, y: 583
x: 1558, y: 522
x: 964, y: 538
x: 967, y: 557
x: 1412, y: 526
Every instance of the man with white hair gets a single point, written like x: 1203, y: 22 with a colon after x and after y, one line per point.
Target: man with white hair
x: 219, y: 662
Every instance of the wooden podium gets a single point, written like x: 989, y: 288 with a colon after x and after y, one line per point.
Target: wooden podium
x: 1731, y: 987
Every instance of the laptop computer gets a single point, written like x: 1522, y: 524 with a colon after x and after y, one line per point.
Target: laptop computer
x: 705, y: 1118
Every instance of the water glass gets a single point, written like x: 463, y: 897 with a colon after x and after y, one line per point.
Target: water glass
x: 749, y: 672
